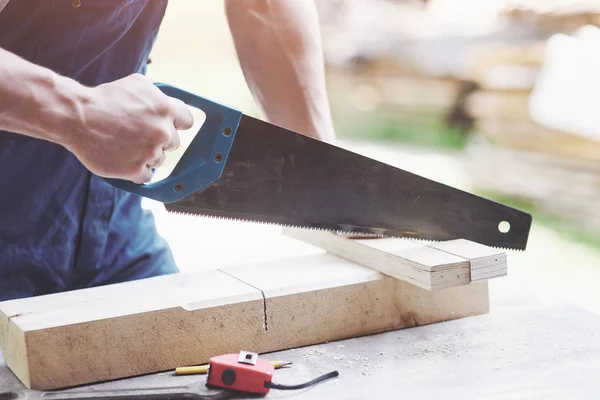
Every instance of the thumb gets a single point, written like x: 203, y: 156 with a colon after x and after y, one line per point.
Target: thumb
x: 183, y: 117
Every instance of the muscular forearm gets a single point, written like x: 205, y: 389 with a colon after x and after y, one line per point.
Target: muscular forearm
x: 279, y: 48
x: 36, y: 102
x: 118, y: 129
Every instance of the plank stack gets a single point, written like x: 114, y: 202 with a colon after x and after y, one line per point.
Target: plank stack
x: 513, y: 153
x: 405, y: 66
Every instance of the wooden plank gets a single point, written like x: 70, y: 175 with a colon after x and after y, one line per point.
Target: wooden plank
x: 498, y: 104
x: 111, y: 332
x: 507, y: 67
x: 369, y: 91
x: 501, y: 170
x: 485, y: 262
x: 128, y: 329
x: 430, y: 266
x: 322, y: 298
x: 526, y: 135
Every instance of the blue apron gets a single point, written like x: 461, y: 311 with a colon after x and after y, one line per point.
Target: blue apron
x: 61, y: 227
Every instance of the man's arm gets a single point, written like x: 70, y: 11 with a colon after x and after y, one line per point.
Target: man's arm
x: 36, y: 102
x: 279, y: 47
x: 120, y: 129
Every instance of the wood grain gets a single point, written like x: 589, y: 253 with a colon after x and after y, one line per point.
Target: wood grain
x: 430, y: 266
x: 528, y: 136
x: 321, y: 298
x: 109, y: 332
x: 484, y: 262
x: 52, y: 342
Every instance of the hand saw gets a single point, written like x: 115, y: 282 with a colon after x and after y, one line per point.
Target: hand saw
x: 240, y: 167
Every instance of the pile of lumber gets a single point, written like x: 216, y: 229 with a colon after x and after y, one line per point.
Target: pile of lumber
x: 381, y: 65
x: 412, y: 62
x: 385, y: 85
x: 548, y: 17
x: 512, y: 152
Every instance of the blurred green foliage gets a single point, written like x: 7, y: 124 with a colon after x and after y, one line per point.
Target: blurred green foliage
x: 426, y: 130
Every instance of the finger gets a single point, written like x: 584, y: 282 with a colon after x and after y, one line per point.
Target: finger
x: 144, y: 176
x: 183, y: 117
x: 158, y: 161
x: 174, y: 143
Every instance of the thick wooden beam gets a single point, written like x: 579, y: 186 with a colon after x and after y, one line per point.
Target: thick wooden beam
x: 97, y: 334
x: 322, y: 298
x: 127, y: 329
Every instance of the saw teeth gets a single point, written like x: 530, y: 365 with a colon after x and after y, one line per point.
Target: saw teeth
x: 342, y: 232
x: 208, y: 216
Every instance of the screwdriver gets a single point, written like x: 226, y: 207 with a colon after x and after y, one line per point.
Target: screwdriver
x: 203, y: 369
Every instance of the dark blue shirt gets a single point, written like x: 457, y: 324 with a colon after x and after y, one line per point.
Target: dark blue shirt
x: 61, y: 227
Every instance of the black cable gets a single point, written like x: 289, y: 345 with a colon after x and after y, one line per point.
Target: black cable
x: 321, y: 378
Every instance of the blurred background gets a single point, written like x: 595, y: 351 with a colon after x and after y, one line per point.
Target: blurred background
x: 501, y: 98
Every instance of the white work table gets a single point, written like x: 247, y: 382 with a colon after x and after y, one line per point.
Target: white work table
x: 528, y: 347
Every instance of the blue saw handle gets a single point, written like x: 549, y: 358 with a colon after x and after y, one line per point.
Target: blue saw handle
x: 203, y: 161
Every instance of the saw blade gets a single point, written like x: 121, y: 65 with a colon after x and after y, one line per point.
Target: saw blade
x: 276, y: 176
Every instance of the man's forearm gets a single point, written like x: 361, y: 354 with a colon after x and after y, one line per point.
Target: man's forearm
x: 119, y: 129
x: 35, y: 101
x: 280, y: 52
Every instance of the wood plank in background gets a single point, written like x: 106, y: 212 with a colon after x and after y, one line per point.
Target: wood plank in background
x: 528, y: 136
x: 498, y: 104
x: 506, y: 67
x: 567, y: 187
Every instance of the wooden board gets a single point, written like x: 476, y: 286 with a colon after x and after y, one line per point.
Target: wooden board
x: 322, y: 298
x: 567, y: 187
x: 528, y: 136
x: 498, y: 104
x: 506, y: 67
x: 431, y: 266
x: 127, y: 329
x: 398, y: 92
x: 91, y: 335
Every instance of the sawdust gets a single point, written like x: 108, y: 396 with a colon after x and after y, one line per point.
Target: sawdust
x: 314, y: 354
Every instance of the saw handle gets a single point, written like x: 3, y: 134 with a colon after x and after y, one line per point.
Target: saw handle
x: 203, y: 161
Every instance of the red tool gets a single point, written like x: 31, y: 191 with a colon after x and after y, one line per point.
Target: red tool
x: 245, y: 372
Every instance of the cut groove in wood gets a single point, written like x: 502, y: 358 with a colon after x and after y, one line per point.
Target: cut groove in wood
x: 321, y: 298
x: 429, y: 266
x: 103, y: 333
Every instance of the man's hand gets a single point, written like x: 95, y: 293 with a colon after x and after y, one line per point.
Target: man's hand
x: 117, y: 130
x: 125, y: 128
